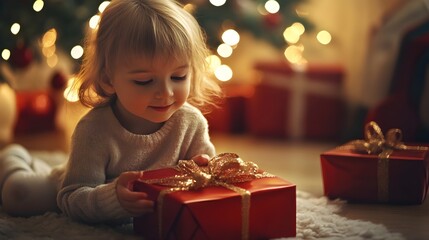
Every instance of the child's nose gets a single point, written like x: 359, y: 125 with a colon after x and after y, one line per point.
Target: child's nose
x: 165, y: 89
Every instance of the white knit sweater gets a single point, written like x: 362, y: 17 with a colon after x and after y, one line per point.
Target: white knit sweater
x: 102, y: 149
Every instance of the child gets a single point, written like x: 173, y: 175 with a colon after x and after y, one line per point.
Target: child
x: 144, y: 76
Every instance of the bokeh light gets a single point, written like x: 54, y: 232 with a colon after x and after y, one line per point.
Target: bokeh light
x: 103, y: 6
x: 217, y: 3
x: 231, y: 37
x: 272, y: 6
x: 93, y: 22
x: 5, y: 54
x: 15, y: 28
x: 324, y: 37
x: 223, y: 73
x: 213, y: 62
x: 76, y: 52
x: 38, y: 5
x: 224, y: 50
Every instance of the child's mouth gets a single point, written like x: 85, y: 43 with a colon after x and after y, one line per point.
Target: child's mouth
x: 161, y: 108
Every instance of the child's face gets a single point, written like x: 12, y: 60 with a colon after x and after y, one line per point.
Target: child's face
x: 152, y: 89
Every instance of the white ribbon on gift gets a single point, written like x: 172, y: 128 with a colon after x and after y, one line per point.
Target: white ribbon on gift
x: 299, y: 85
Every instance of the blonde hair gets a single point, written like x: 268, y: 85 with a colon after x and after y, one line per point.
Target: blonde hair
x: 144, y: 28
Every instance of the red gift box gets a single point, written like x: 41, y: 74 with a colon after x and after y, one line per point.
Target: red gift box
x: 297, y: 103
x: 230, y: 116
x: 402, y: 178
x: 215, y: 212
x: 36, y: 112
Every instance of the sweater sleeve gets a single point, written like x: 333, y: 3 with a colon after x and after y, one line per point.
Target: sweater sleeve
x: 200, y: 139
x: 85, y: 194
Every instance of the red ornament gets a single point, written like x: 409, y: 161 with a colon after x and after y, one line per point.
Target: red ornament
x: 21, y: 56
x: 272, y: 20
x: 58, y: 81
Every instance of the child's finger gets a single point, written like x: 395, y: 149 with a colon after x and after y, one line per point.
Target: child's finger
x: 139, y: 207
x: 126, y: 179
x: 128, y: 195
x: 201, y: 160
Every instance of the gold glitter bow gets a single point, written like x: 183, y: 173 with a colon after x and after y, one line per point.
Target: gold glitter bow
x: 222, y: 170
x: 376, y: 143
x: 225, y: 168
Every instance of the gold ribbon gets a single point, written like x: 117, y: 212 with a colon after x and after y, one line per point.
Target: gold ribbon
x: 376, y: 143
x: 222, y: 170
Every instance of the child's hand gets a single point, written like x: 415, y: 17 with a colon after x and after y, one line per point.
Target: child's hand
x: 135, y: 203
x: 201, y: 159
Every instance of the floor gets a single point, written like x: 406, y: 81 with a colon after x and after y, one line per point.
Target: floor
x: 296, y: 161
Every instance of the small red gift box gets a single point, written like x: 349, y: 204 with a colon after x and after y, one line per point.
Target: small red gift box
x: 402, y: 178
x: 297, y: 104
x: 216, y: 212
x: 36, y: 112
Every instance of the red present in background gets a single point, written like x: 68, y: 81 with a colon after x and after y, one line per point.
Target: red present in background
x: 297, y: 104
x: 215, y: 212
x: 360, y: 177
x: 36, y: 112
x: 230, y: 117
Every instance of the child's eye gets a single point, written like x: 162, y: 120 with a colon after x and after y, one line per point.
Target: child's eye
x: 142, y: 82
x: 179, y: 78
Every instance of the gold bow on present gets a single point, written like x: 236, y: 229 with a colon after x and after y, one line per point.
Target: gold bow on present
x: 222, y: 170
x: 376, y: 143
x: 225, y: 168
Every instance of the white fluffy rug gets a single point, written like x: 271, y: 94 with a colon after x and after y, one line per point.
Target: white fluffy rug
x: 316, y: 218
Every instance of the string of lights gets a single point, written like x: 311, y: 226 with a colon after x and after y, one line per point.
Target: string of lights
x: 52, y: 26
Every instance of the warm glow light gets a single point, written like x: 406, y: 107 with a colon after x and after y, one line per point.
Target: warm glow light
x: 214, y: 62
x: 324, y: 37
x: 49, y: 51
x: 93, y: 22
x: 298, y: 27
x: 231, y: 37
x: 272, y: 6
x: 52, y: 60
x: 69, y: 94
x: 38, y: 5
x: 103, y: 6
x: 293, y: 33
x: 49, y: 38
x: 300, y: 66
x: 223, y: 73
x: 217, y: 3
x: 290, y: 35
x: 5, y: 54
x: 15, y: 28
x: 294, y: 53
x: 76, y: 52
x: 224, y: 50
x: 190, y: 7
x: 41, y: 104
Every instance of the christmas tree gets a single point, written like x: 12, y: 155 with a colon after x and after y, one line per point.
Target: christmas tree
x: 25, y: 22
x: 265, y: 19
